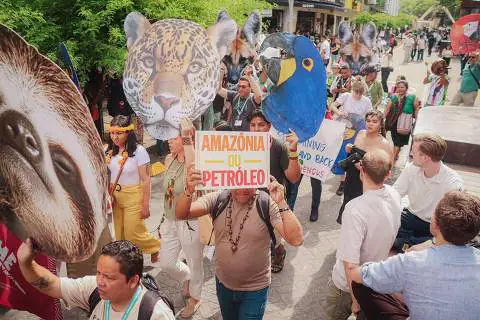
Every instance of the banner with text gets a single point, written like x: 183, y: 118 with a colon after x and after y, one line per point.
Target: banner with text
x: 317, y: 155
x: 233, y: 160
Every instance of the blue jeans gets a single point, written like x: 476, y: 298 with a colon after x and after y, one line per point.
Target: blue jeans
x: 241, y: 305
x: 292, y: 191
x: 413, y: 230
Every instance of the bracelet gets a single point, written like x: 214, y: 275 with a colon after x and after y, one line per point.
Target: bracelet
x: 292, y: 155
x: 187, y: 141
x: 284, y: 209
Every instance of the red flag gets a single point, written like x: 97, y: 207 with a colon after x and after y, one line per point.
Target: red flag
x: 15, y: 291
x: 465, y: 34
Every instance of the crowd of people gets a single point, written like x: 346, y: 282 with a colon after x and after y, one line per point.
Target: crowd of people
x: 391, y: 261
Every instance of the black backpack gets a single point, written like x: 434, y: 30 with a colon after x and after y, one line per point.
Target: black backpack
x: 149, y: 300
x: 263, y: 209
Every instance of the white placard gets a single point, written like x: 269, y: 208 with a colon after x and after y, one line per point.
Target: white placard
x: 233, y: 160
x: 317, y: 155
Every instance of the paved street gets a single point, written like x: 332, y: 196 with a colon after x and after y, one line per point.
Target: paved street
x: 299, y: 290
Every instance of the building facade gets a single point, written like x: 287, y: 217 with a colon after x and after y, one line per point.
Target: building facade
x: 392, y: 7
x: 312, y: 17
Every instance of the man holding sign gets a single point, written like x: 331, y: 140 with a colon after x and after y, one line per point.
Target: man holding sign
x: 242, y: 242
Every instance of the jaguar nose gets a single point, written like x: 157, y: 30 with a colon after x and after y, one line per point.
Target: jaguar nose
x: 17, y: 131
x: 166, y: 102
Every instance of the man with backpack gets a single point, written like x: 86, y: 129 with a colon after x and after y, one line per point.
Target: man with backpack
x: 243, y: 220
x: 119, y: 290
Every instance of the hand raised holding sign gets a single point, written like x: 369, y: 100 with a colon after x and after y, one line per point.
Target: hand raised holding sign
x: 277, y: 191
x: 194, y: 178
x: 292, y: 140
x: 187, y: 132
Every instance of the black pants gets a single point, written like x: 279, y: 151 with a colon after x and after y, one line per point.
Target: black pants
x: 385, y: 75
x: 430, y: 47
x: 420, y: 54
x: 413, y: 54
x: 377, y: 306
x: 413, y: 230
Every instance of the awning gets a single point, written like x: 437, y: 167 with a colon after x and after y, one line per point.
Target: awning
x: 335, y: 5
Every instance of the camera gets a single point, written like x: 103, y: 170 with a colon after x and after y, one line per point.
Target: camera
x: 355, y: 156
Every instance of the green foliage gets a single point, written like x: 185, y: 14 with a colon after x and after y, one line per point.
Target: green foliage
x: 93, y: 29
x: 383, y: 20
x: 418, y: 7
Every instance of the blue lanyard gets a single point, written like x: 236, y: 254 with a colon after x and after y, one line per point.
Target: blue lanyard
x: 129, y: 308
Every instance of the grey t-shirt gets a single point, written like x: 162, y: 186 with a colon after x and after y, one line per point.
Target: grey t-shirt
x: 242, y: 108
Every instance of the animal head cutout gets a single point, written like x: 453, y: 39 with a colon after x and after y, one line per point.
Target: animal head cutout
x: 242, y: 51
x: 53, y: 177
x: 298, y: 98
x: 172, y: 70
x: 358, y: 46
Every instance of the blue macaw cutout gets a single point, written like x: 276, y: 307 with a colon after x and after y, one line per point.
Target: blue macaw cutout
x: 354, y: 123
x: 298, y: 99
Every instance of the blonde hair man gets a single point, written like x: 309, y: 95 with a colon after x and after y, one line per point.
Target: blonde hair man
x: 425, y: 181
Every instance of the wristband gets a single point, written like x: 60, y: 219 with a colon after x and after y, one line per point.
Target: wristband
x: 293, y: 155
x: 187, y: 141
x: 283, y: 210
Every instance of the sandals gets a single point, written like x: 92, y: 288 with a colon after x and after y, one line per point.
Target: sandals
x: 278, y: 259
x: 190, y: 308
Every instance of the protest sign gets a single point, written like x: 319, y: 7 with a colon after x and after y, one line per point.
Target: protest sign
x: 233, y: 160
x: 15, y: 291
x: 317, y: 154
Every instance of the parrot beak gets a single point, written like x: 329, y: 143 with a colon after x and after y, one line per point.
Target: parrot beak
x: 279, y: 68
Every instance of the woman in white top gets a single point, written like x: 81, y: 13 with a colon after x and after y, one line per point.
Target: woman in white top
x: 351, y: 103
x: 129, y: 165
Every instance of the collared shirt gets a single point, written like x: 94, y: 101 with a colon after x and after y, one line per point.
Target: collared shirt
x: 425, y: 193
x: 440, y: 283
x: 369, y: 226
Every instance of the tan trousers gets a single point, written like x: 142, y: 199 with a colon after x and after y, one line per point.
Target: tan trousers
x: 127, y: 222
x: 467, y: 98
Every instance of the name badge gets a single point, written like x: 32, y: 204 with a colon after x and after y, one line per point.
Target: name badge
x: 238, y: 123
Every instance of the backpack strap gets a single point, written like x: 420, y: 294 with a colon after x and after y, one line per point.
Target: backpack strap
x: 93, y: 301
x: 263, y: 209
x: 147, y: 305
x: 220, y: 204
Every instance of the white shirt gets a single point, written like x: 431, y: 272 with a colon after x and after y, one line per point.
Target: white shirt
x: 130, y: 175
x: 370, y: 225
x: 325, y: 47
x: 350, y: 105
x: 75, y: 293
x: 425, y: 193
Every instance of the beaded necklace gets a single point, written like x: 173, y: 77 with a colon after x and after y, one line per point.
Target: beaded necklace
x: 234, y: 243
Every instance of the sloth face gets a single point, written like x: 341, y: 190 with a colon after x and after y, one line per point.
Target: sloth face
x: 52, y: 175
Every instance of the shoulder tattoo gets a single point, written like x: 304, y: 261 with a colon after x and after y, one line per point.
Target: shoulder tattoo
x: 41, y: 283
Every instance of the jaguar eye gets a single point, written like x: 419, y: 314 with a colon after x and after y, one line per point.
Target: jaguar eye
x: 148, y: 62
x: 307, y: 63
x: 195, y: 67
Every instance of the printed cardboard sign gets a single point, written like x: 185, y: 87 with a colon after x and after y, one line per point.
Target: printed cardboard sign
x: 317, y: 155
x: 233, y: 160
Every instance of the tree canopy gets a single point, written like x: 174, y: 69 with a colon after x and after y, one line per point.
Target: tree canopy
x: 93, y: 29
x: 418, y: 7
x: 383, y: 20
